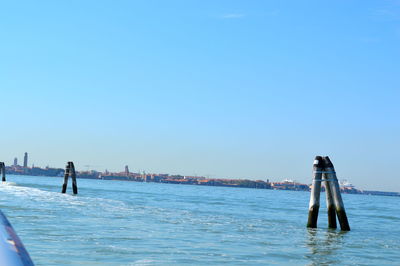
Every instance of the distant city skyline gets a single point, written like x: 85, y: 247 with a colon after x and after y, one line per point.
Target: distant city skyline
x: 126, y: 171
x: 230, y: 89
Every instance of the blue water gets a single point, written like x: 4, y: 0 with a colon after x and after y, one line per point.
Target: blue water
x: 130, y: 223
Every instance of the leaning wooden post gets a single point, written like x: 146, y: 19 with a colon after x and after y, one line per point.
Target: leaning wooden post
x: 315, y: 193
x: 3, y: 171
x: 66, y: 175
x: 73, y: 177
x: 329, y: 202
x: 70, y: 171
x: 337, y: 197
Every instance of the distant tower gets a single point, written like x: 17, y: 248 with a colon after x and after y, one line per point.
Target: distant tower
x: 126, y: 170
x: 26, y: 160
x: 15, y: 161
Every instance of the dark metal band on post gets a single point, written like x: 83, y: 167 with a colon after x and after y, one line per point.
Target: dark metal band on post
x: 315, y: 193
x: 3, y: 171
x: 70, y: 172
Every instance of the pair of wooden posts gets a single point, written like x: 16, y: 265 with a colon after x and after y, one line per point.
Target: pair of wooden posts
x: 3, y: 171
x: 70, y: 172
x: 323, y: 170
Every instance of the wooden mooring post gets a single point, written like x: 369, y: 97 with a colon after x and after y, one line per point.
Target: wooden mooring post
x: 70, y: 172
x: 335, y: 191
x: 3, y: 171
x: 323, y: 170
x: 315, y: 193
x: 330, y: 205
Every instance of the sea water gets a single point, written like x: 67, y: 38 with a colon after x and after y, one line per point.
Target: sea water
x: 132, y: 223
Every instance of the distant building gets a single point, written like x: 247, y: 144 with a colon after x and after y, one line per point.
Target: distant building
x: 26, y: 160
x: 289, y: 184
x: 15, y: 161
x: 126, y: 170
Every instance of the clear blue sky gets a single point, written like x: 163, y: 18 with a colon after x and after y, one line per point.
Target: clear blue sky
x: 245, y: 89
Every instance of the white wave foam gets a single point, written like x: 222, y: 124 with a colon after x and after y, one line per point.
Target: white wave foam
x: 61, y: 200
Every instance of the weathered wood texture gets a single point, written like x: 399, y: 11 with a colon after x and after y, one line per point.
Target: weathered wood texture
x: 3, y: 171
x: 337, y: 197
x: 70, y: 172
x: 315, y: 193
x: 330, y: 205
x: 73, y: 177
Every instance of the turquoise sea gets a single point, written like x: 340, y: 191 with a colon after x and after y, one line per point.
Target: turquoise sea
x: 130, y: 223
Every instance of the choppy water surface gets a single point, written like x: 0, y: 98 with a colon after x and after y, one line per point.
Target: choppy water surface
x: 129, y: 223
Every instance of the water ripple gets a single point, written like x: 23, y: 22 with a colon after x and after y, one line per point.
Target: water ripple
x: 128, y: 223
